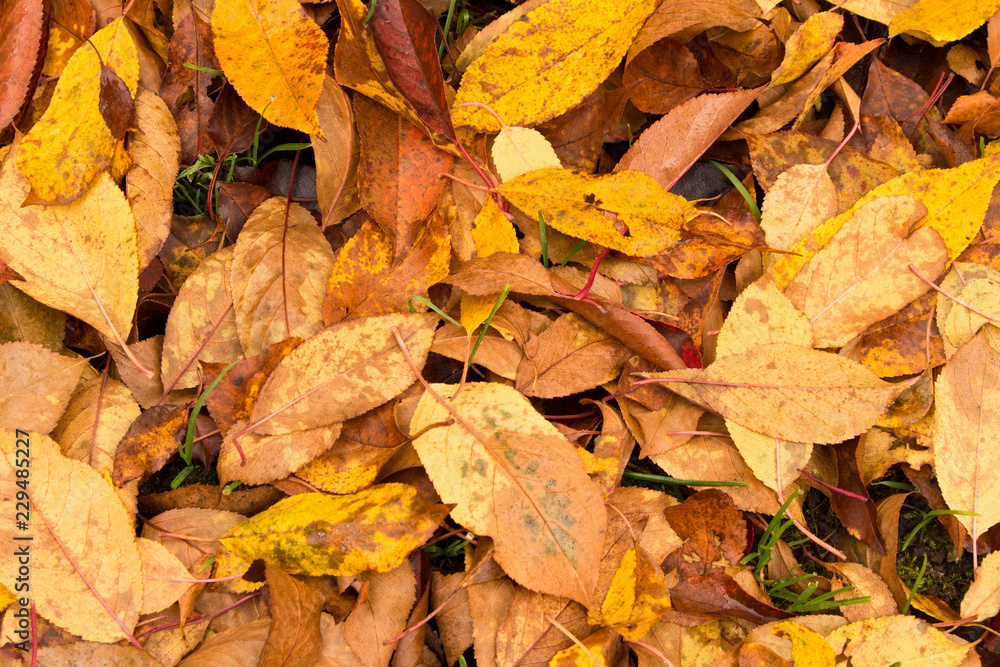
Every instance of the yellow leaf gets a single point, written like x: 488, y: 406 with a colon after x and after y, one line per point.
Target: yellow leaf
x: 548, y: 62
x: 861, y: 275
x: 600, y: 208
x: 962, y: 274
x: 943, y: 21
x: 158, y: 565
x: 762, y: 315
x: 800, y: 199
x: 63, y: 251
x: 637, y: 597
x: 35, y: 386
x: 905, y: 640
x: 342, y: 372
x: 518, y: 150
x: 318, y: 534
x: 790, y: 392
x: 967, y: 431
x: 275, y: 57
x: 71, y: 144
x: 808, y: 45
x: 599, y: 649
x: 809, y: 649
x: 76, y: 521
x: 492, y: 232
x: 515, y: 478
x: 955, y: 199
x: 962, y: 324
x: 271, y: 457
x: 97, y: 418
x: 476, y: 310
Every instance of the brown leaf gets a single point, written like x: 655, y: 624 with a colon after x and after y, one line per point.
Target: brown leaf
x: 405, y: 34
x: 232, y: 125
x: 713, y: 533
x: 527, y: 637
x: 337, y: 154
x: 115, y: 103
x: 241, y: 645
x: 384, y: 603
x: 454, y: 621
x: 97, y: 417
x: 150, y: 441
x: 268, y: 458
x: 294, y: 639
x: 663, y: 76
x: 859, y: 517
x: 718, y: 595
x: 185, y: 89
x: 237, y: 202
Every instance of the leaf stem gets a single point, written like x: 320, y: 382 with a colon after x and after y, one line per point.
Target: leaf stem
x: 937, y: 289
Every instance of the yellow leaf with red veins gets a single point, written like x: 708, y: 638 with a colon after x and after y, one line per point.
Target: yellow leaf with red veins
x: 808, y: 45
x: 548, y: 61
x: 275, y: 57
x: 63, y: 251
x: 71, y: 144
x: 318, y: 534
x: 626, y: 211
x: 515, y: 478
x: 84, y: 549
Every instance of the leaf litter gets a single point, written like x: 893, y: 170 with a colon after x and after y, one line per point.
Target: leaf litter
x: 578, y: 333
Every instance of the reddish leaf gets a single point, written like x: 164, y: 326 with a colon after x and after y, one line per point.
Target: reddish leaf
x: 718, y: 595
x: 712, y: 530
x: 232, y: 125
x: 858, y: 517
x: 115, y: 103
x: 404, y: 34
x: 185, y: 89
x: 24, y: 27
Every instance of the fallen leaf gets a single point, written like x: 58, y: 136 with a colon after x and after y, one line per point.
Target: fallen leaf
x: 526, y: 634
x: 384, y: 605
x: 191, y: 43
x: 159, y: 565
x: 282, y: 81
x: 904, y: 639
x: 336, y: 154
x: 149, y: 442
x: 813, y: 40
x: 982, y: 600
x: 342, y: 372
x: 841, y: 398
x: 319, y: 534
x: 965, y: 430
x: 800, y: 199
x: 637, y: 597
x: 70, y: 23
x: 23, y: 28
x: 96, y: 418
x: 518, y: 150
x: 539, y: 505
x: 279, y: 270
x: 625, y: 211
x: 268, y: 458
x: 547, y: 62
x: 849, y: 285
x: 295, y: 637
x: 59, y: 172
x: 36, y: 386
x: 85, y: 573
x: 940, y: 22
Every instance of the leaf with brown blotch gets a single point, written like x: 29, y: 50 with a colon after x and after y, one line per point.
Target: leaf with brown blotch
x: 683, y: 21
x: 274, y: 55
x: 185, y: 89
x: 61, y: 251
x: 115, y: 103
x: 155, y: 151
x: 405, y: 34
x: 526, y: 636
x: 83, y: 538
x: 202, y: 323
x: 35, y: 386
x: 791, y: 392
x: 669, y: 146
x: 23, y: 29
x: 366, y: 280
x: 149, y: 442
x: 269, y: 458
x: 59, y: 172
x: 712, y: 530
x: 319, y: 534
x: 352, y: 463
x: 232, y: 125
x: 97, y: 417
x: 849, y: 284
x: 278, y: 276
x: 384, y: 603
x: 295, y: 637
x: 515, y: 478
x: 711, y: 241
x: 547, y: 62
x: 342, y: 372
x: 899, y: 344
x: 813, y: 40
x: 239, y: 645
x: 398, y: 172
x: 626, y: 211
x: 605, y: 645
x: 572, y: 356
x: 967, y: 433
x: 337, y: 154
x: 158, y: 566
x: 577, y: 135
x: 70, y: 23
